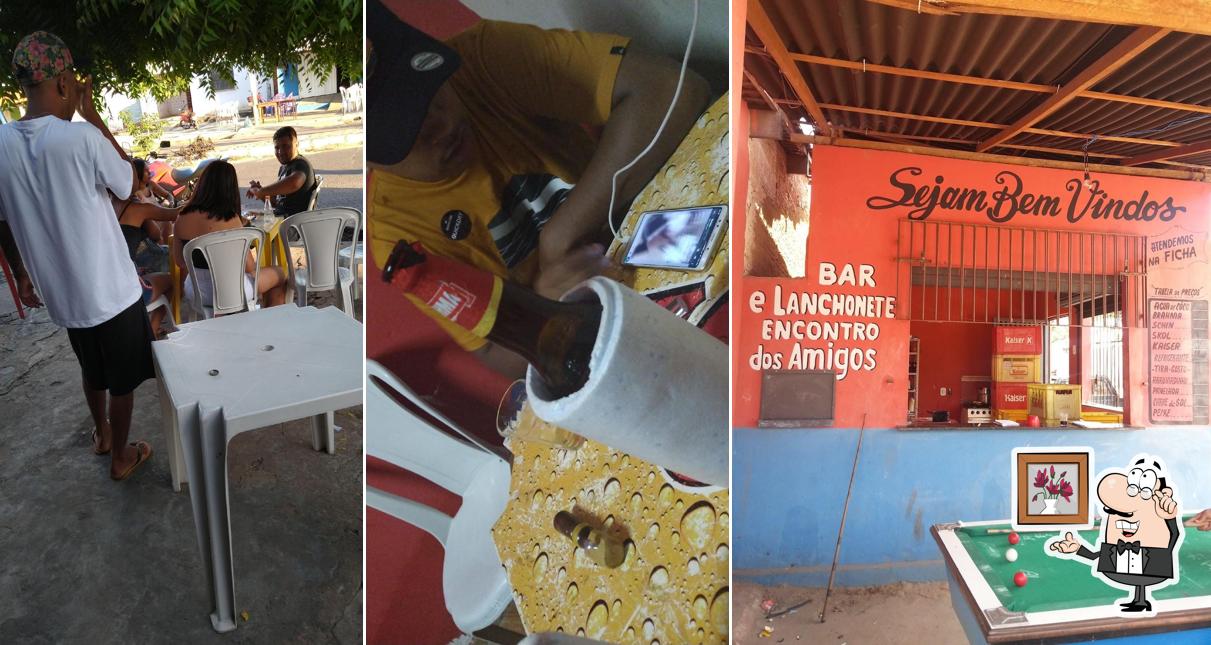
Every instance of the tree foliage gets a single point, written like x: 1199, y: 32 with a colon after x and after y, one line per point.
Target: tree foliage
x: 137, y: 46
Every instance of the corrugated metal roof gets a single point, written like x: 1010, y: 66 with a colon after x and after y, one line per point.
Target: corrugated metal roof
x: 1007, y: 48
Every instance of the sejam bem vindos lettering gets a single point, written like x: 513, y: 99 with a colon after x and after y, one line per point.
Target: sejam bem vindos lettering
x: 1012, y: 199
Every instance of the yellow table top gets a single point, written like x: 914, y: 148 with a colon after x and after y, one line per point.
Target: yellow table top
x: 673, y: 585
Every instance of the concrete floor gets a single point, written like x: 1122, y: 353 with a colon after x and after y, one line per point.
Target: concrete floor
x: 88, y: 560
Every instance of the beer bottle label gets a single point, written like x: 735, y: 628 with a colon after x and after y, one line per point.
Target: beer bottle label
x: 464, y: 294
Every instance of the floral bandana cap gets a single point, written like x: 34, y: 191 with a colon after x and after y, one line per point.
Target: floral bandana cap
x: 40, y: 56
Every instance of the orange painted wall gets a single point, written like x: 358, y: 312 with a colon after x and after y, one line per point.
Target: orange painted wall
x: 739, y: 188
x: 845, y: 229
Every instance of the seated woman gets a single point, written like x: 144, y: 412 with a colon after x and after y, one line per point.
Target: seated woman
x: 215, y: 206
x: 140, y: 222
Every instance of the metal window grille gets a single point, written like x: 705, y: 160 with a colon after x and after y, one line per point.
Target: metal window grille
x: 986, y: 273
x: 1105, y: 362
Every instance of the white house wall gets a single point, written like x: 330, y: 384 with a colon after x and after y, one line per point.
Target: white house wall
x: 313, y: 82
x: 116, y: 103
x: 203, y: 104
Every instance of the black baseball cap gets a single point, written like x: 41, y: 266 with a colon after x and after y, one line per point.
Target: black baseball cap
x: 405, y: 70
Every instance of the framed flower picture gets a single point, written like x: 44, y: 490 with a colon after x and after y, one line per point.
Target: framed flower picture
x: 1051, y: 487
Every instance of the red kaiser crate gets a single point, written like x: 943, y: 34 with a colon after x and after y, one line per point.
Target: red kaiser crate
x: 1009, y: 396
x: 1018, y: 340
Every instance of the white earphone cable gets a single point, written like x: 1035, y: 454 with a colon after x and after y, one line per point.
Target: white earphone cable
x: 659, y: 131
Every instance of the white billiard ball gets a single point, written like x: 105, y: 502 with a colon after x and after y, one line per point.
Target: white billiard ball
x: 1011, y: 555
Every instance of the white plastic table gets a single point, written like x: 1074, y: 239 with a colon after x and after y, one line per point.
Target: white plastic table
x: 227, y: 375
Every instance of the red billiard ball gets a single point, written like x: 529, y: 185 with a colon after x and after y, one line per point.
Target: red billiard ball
x: 1019, y: 579
x: 1014, y: 538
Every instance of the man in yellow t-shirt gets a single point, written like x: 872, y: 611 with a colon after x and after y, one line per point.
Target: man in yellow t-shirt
x: 480, y: 150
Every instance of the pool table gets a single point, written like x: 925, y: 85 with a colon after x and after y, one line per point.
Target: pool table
x: 994, y: 610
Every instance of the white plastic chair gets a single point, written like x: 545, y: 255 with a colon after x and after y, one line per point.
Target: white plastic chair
x: 314, y: 201
x: 320, y: 231
x: 162, y: 301
x: 351, y: 99
x: 225, y: 252
x: 352, y: 257
x: 474, y: 582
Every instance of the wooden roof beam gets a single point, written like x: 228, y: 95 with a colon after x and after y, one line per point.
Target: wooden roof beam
x: 1130, y: 47
x: 882, y: 135
x: 918, y: 73
x: 989, y: 82
x: 1189, y: 16
x: 991, y: 126
x: 1190, y: 175
x: 759, y: 20
x: 1169, y: 153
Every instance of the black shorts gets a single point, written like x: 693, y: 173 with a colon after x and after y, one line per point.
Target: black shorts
x: 116, y: 355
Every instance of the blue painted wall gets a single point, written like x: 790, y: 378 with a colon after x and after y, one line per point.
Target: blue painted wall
x: 788, y: 490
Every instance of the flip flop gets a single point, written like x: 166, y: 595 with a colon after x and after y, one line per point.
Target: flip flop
x: 139, y: 461
x: 95, y: 443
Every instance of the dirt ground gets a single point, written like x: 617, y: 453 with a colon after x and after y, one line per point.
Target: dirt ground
x: 886, y: 615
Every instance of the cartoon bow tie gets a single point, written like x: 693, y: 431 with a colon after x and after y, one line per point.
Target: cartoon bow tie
x: 1122, y: 546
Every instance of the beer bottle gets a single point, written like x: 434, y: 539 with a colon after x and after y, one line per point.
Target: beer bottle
x: 556, y: 338
x: 597, y: 545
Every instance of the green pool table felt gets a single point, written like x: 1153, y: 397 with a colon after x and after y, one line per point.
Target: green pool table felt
x: 1068, y: 582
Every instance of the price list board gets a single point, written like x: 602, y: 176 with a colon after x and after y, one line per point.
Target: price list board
x: 1177, y: 346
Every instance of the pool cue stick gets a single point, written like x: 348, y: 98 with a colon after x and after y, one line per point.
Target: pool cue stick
x: 832, y: 572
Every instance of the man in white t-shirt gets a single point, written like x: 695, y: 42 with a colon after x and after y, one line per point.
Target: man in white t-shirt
x: 59, y: 233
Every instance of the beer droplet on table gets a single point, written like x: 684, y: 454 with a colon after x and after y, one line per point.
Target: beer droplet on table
x: 540, y: 566
x: 599, y: 618
x: 693, y: 567
x: 721, y: 552
x: 636, y: 502
x: 629, y: 556
x: 612, y: 488
x: 719, y: 607
x: 573, y: 590
x: 630, y: 633
x: 659, y: 577
x: 537, y: 499
x: 698, y: 524
x: 617, y: 606
x: 700, y: 607
x: 649, y: 628
x: 653, y: 531
x: 666, y: 496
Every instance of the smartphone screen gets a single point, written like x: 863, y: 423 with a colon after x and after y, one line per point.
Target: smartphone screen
x: 677, y: 239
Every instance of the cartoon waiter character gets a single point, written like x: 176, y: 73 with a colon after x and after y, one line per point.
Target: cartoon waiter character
x: 1142, y: 536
